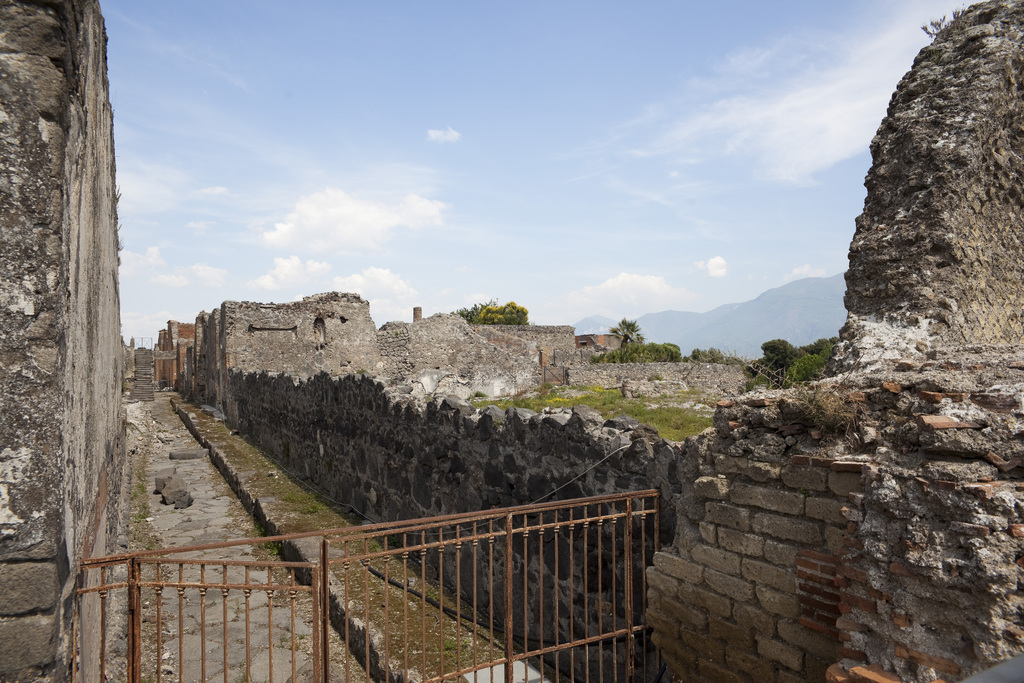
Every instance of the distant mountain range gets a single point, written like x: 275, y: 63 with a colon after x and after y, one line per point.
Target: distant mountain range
x: 799, y: 312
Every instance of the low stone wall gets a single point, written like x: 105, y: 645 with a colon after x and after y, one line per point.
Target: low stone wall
x: 391, y: 457
x: 724, y: 379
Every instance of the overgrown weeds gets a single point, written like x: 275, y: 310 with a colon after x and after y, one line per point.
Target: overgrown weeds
x: 827, y: 408
x: 672, y: 422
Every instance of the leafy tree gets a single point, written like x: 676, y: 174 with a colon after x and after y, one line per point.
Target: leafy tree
x: 472, y: 314
x: 713, y: 355
x: 490, y: 313
x: 629, y: 330
x: 509, y: 314
x: 779, y: 354
x: 809, y: 366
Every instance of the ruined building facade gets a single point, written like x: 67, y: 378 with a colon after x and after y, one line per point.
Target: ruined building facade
x: 61, y: 454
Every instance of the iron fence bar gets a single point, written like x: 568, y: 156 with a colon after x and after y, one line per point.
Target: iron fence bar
x: 589, y: 514
x: 134, y: 664
x: 325, y: 621
x: 508, y: 598
x: 627, y: 542
x: 367, y: 530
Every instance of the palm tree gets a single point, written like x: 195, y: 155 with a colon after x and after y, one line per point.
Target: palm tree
x: 629, y: 330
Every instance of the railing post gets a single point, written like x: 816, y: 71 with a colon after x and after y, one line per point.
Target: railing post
x: 628, y: 556
x: 134, y: 664
x: 508, y: 598
x: 325, y: 619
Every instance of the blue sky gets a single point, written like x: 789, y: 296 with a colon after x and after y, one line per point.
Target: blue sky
x: 578, y: 158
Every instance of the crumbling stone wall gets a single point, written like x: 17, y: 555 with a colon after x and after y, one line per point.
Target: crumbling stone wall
x: 550, y: 344
x: 894, y: 542
x: 724, y: 379
x: 444, y: 353
x: 330, y: 332
x: 936, y: 258
x: 61, y: 457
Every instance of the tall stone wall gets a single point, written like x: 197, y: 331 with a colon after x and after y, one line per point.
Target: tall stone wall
x: 937, y: 256
x: 61, y: 457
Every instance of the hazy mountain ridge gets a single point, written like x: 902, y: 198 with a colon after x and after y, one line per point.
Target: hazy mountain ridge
x: 800, y: 312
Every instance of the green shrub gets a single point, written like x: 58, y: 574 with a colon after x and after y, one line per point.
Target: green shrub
x: 641, y: 353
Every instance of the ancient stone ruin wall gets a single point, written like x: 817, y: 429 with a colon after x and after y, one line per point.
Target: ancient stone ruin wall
x: 936, y: 258
x: 550, y: 344
x: 722, y: 379
x: 330, y: 332
x: 892, y: 542
x: 61, y: 458
x: 445, y: 354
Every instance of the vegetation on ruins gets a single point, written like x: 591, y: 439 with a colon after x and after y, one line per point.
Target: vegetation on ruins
x: 491, y: 313
x: 717, y: 356
x: 629, y: 330
x: 672, y: 421
x: 933, y: 27
x: 641, y: 353
x: 784, y: 365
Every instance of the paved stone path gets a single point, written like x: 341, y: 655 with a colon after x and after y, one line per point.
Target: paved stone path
x: 240, y: 624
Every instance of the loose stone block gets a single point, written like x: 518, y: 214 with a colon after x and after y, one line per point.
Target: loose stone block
x: 27, y: 587
x: 769, y: 499
x: 677, y: 567
x: 712, y: 602
x: 778, y: 651
x: 727, y: 515
x: 769, y: 575
x: 758, y: 668
x: 711, y: 487
x: 780, y: 553
x: 702, y: 643
x: 789, y: 528
x: 722, y: 560
x: 801, y: 477
x: 735, y: 588
x: 825, y: 509
x: 778, y: 603
x: 751, y: 616
x: 844, y: 483
x: 732, y: 634
x: 28, y: 641
x: 807, y: 640
x: 740, y: 542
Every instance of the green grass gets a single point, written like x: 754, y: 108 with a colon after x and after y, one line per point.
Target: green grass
x: 673, y: 423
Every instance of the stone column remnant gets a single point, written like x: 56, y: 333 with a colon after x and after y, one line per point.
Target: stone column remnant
x: 938, y: 255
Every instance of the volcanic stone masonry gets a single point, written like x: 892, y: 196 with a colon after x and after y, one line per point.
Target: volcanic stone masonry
x: 61, y: 455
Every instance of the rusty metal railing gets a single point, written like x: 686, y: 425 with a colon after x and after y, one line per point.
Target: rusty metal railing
x: 546, y: 592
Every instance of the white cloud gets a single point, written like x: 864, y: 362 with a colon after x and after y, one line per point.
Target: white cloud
x: 626, y: 294
x: 133, y: 263
x: 797, y: 107
x: 176, y: 281
x: 147, y: 325
x: 443, y: 136
x: 806, y: 270
x: 390, y: 297
x: 149, y: 188
x: 199, y: 226
x: 290, y: 272
x: 715, y: 266
x: 214, y: 191
x: 208, y: 275
x: 333, y: 220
